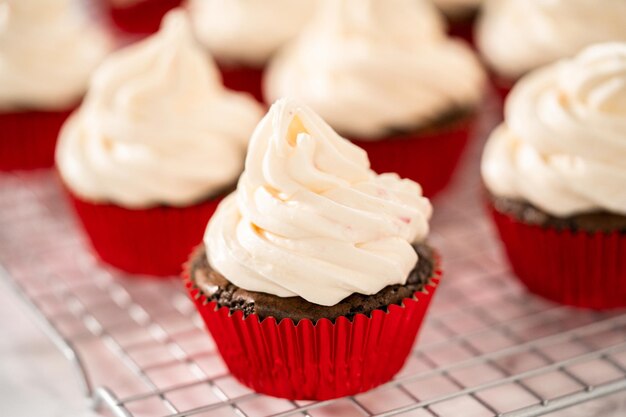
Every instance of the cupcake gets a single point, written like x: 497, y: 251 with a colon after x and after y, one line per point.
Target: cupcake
x: 315, y: 274
x: 555, y: 172
x: 139, y: 17
x: 384, y: 74
x: 243, y: 34
x: 48, y: 49
x: 150, y: 152
x: 461, y: 15
x: 515, y: 37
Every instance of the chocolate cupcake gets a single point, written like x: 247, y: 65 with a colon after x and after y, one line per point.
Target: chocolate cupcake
x: 314, y: 276
x: 156, y: 144
x: 384, y: 74
x: 556, y: 178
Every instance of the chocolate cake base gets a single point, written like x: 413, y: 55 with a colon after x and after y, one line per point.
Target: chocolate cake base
x: 215, y: 287
x: 597, y: 221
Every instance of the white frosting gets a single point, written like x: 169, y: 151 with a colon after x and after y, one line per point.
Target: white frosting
x: 157, y: 127
x: 516, y: 36
x: 248, y: 32
x: 310, y: 218
x: 368, y: 66
x: 563, y: 144
x: 458, y: 7
x: 48, y: 49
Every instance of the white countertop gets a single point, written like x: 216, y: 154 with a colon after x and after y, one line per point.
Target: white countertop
x: 35, y: 379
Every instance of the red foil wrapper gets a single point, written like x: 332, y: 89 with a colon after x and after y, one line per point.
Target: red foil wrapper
x: 429, y: 158
x: 315, y: 361
x: 28, y: 139
x: 141, y: 18
x: 154, y: 241
x: 580, y: 269
x: 242, y: 78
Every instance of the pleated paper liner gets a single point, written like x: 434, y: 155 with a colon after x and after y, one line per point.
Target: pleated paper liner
x: 315, y: 360
x: 428, y: 158
x: 580, y: 269
x: 154, y: 241
x: 28, y: 139
x: 142, y: 18
x: 243, y: 78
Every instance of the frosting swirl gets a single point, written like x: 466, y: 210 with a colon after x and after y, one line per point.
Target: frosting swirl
x: 372, y: 66
x: 157, y: 127
x: 247, y: 32
x: 48, y: 49
x: 516, y: 36
x: 310, y: 218
x: 562, y: 146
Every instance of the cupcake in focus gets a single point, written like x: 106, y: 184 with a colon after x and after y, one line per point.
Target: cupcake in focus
x: 515, y: 37
x: 139, y: 17
x: 315, y: 274
x: 556, y: 175
x: 384, y: 74
x: 48, y: 50
x: 461, y: 15
x: 152, y: 149
x: 243, y: 35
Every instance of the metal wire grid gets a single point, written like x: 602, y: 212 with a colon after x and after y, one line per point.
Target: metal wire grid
x: 486, y: 348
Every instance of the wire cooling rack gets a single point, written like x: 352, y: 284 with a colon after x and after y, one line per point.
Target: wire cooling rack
x: 487, y: 348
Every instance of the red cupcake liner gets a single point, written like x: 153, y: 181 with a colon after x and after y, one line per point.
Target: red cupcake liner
x: 242, y: 78
x: 580, y: 269
x: 28, y: 139
x: 428, y: 158
x: 154, y: 241
x: 315, y: 361
x: 141, y: 18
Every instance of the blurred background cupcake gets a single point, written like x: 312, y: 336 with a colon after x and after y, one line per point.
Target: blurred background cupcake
x: 515, y: 37
x: 461, y: 15
x: 243, y: 35
x: 48, y: 50
x: 152, y: 149
x: 556, y: 175
x: 139, y: 17
x: 385, y: 75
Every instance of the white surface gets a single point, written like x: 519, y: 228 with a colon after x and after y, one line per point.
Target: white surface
x: 35, y: 379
